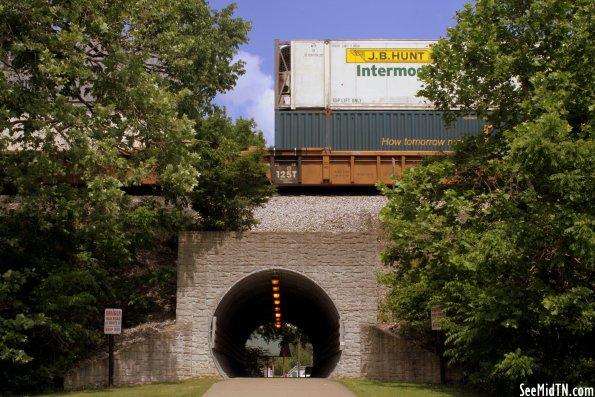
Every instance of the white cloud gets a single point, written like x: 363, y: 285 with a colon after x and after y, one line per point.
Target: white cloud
x: 252, y: 97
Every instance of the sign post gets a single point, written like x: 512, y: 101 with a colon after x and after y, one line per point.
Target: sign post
x: 112, y: 325
x: 437, y: 315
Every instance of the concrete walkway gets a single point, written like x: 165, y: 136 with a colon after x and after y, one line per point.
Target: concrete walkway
x: 278, y: 387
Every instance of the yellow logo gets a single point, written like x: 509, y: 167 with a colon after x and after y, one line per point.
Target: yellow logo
x: 388, y: 55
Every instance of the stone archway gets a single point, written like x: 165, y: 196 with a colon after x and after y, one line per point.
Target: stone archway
x: 248, y: 304
x: 217, y: 269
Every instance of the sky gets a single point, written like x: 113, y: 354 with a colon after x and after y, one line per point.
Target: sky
x: 253, y: 96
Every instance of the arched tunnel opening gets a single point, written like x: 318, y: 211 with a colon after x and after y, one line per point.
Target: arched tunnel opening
x: 249, y: 305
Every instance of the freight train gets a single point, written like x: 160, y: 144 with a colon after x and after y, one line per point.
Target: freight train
x: 347, y: 112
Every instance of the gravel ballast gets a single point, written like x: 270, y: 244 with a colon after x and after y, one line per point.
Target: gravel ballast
x: 308, y: 213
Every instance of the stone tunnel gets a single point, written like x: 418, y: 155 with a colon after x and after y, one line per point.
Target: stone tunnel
x: 248, y: 305
x: 328, y: 289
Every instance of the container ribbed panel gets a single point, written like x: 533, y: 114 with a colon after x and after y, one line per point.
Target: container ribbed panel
x: 371, y: 130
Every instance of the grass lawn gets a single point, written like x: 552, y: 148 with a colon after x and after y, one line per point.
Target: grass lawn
x: 197, y: 387
x: 373, y: 388
x: 189, y: 388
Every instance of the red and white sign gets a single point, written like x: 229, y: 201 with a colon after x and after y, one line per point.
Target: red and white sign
x: 436, y: 316
x: 112, y: 322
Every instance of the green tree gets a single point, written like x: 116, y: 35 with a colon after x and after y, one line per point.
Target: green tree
x: 291, y: 336
x: 231, y: 185
x: 501, y: 233
x: 94, y: 96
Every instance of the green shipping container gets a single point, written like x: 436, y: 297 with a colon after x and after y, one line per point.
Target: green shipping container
x: 413, y: 131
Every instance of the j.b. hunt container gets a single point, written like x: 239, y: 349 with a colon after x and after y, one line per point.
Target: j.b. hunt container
x: 350, y: 74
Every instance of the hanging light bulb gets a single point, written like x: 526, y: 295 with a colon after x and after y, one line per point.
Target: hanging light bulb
x: 276, y: 287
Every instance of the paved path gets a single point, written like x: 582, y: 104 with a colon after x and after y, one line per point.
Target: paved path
x: 278, y: 387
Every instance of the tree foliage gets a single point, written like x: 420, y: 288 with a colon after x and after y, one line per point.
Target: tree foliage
x: 502, y: 233
x: 96, y: 96
x: 60, y: 269
x: 103, y: 79
x: 231, y: 185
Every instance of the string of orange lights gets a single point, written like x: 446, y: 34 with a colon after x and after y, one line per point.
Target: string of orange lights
x: 276, y: 299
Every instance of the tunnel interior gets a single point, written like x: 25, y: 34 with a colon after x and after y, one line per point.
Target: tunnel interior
x: 249, y: 304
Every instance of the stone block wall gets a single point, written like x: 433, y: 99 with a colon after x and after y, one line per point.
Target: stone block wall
x: 342, y: 264
x: 387, y: 356
x: 156, y: 356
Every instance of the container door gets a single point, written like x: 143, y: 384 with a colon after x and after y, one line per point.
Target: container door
x: 308, y: 66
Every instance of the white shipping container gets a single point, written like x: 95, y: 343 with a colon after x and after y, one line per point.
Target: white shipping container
x: 349, y: 74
